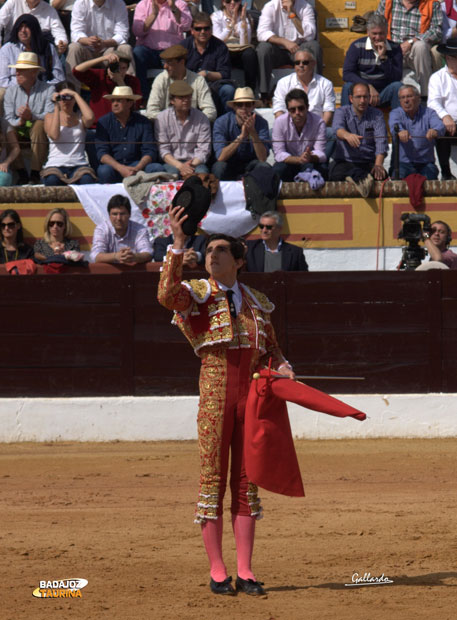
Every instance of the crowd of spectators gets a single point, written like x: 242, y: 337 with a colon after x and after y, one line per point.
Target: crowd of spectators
x: 120, y: 240
x: 87, y: 81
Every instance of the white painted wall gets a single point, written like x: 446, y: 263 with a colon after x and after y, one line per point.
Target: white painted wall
x: 174, y: 418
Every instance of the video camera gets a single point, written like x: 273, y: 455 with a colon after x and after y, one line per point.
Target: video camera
x: 414, y: 225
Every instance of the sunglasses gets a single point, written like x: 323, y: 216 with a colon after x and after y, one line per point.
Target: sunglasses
x: 64, y: 97
x: 302, y: 62
x: 56, y: 223
x: 202, y: 28
x: 244, y: 104
x: 298, y: 108
x: 267, y: 226
x: 9, y: 225
x: 229, y: 1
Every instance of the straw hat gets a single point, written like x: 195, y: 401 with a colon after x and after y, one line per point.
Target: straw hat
x: 180, y: 88
x: 27, y: 60
x: 243, y: 95
x: 122, y: 92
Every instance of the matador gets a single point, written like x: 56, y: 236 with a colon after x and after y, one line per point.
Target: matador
x: 229, y: 327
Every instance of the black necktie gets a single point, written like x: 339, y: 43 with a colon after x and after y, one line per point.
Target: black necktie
x: 232, y: 308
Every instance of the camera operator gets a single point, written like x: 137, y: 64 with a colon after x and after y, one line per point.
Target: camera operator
x: 437, y: 244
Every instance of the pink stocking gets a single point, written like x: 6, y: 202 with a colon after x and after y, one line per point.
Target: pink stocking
x: 212, y: 537
x: 244, y: 530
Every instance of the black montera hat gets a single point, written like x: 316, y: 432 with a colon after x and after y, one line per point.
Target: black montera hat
x: 449, y: 48
x: 196, y: 199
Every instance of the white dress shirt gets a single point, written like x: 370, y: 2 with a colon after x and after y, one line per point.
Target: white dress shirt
x: 442, y: 93
x: 109, y: 21
x: 237, y: 296
x: 46, y: 15
x: 321, y: 94
x: 274, y: 21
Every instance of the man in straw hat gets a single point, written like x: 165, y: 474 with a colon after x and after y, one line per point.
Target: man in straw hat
x: 241, y: 138
x: 183, y: 133
x: 174, y: 62
x: 442, y: 97
x: 26, y: 104
x: 124, y: 139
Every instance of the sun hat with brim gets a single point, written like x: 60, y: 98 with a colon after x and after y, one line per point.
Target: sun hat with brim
x: 449, y: 48
x: 122, y: 92
x: 180, y: 88
x: 244, y: 95
x: 27, y: 60
x: 174, y: 51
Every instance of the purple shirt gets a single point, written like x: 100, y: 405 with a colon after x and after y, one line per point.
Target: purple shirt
x: 371, y: 127
x: 287, y: 141
x: 106, y: 239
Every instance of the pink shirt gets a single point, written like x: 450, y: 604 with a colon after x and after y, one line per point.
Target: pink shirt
x: 165, y: 31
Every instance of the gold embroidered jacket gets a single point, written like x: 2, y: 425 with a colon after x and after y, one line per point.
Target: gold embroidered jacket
x: 202, y: 313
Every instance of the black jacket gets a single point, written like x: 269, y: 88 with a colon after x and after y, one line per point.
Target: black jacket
x: 292, y: 257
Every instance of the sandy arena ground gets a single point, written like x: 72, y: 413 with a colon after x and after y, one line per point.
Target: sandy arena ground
x: 120, y: 516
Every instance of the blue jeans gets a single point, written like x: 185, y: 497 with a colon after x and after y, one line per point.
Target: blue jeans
x: 107, y: 174
x: 429, y: 170
x: 53, y: 180
x: 145, y: 59
x: 200, y: 169
x: 221, y: 95
x: 387, y: 96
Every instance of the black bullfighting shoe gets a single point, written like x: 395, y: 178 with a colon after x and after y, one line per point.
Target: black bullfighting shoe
x: 249, y: 586
x: 222, y: 587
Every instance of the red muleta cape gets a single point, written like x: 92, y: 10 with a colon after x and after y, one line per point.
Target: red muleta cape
x: 269, y: 451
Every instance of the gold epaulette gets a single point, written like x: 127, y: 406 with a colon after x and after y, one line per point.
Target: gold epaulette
x: 260, y: 299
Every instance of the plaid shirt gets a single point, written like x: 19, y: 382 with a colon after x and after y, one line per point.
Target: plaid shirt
x: 406, y: 23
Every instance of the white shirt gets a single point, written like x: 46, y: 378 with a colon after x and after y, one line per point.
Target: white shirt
x: 110, y: 21
x: 448, y: 24
x: 442, y: 93
x: 274, y: 21
x: 221, y: 28
x: 46, y: 15
x: 321, y: 94
x: 237, y: 296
